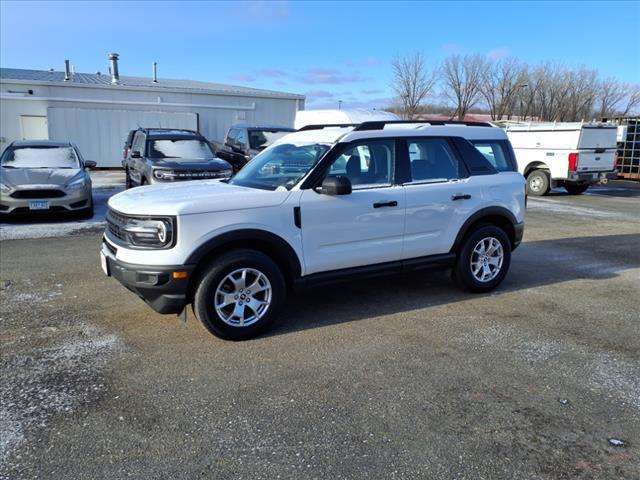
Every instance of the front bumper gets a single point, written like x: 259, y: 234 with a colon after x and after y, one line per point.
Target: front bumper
x: 591, y: 177
x: 154, y: 284
x: 71, y: 202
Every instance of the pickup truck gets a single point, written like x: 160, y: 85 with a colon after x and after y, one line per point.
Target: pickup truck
x: 243, y: 142
x: 569, y: 155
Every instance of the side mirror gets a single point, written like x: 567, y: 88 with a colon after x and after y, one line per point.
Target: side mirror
x: 90, y: 164
x: 136, y: 154
x: 339, y: 185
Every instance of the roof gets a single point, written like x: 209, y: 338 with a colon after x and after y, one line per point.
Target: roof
x: 39, y: 143
x: 263, y: 127
x: 163, y: 84
x: 407, y: 130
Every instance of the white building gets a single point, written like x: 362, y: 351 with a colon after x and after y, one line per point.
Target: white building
x: 97, y: 111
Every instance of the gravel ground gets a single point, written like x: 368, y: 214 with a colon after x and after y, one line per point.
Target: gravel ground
x: 392, y: 378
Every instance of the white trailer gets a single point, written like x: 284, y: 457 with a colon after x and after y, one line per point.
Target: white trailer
x: 569, y: 155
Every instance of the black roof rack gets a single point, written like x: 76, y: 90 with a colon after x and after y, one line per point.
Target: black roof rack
x: 380, y: 124
x: 330, y: 125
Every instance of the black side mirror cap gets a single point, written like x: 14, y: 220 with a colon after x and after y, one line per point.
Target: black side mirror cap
x: 339, y: 185
x: 90, y: 164
x: 136, y: 154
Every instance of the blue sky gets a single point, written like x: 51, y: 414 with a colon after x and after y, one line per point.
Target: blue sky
x: 329, y: 51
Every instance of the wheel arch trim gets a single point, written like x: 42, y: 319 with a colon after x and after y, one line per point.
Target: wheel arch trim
x: 269, y: 243
x: 489, y: 215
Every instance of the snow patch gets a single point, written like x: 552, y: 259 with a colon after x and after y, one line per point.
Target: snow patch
x: 41, y: 382
x: 567, y: 209
x: 615, y: 378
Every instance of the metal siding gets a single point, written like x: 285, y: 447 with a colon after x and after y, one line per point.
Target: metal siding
x: 100, y: 133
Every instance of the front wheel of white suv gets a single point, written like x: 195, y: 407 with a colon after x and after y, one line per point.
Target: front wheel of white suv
x: 483, y: 260
x: 239, y: 294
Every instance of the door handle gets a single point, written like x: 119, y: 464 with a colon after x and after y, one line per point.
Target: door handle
x: 385, y: 204
x: 460, y: 196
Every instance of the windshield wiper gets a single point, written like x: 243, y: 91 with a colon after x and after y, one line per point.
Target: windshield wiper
x: 8, y: 166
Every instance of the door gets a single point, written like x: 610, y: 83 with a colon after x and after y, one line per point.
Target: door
x: 362, y: 228
x: 438, y: 197
x: 137, y: 164
x: 34, y: 127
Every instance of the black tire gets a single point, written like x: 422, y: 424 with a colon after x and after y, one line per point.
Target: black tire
x: 127, y: 179
x: 538, y: 183
x: 463, y: 272
x: 573, y: 189
x: 215, y: 275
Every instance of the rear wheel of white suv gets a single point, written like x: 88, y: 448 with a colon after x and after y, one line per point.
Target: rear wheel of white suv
x: 239, y: 294
x: 483, y: 259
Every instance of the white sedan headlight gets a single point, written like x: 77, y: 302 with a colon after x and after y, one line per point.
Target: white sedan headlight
x: 4, y: 188
x: 77, y: 185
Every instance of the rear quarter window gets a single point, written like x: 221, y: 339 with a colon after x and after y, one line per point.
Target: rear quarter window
x: 497, y: 154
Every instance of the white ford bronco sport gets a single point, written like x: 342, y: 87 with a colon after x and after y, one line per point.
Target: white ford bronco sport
x: 322, y: 204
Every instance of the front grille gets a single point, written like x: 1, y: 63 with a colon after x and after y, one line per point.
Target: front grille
x: 198, y: 174
x: 4, y: 207
x: 115, y: 225
x: 26, y: 210
x: 110, y: 247
x: 38, y: 193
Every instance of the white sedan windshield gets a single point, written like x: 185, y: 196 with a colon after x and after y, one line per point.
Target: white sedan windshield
x: 40, y: 157
x: 281, y: 165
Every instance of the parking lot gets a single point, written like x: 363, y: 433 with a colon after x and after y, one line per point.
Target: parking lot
x: 390, y: 378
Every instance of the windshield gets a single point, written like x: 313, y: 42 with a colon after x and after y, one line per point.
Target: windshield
x: 191, y: 149
x: 40, y: 157
x: 280, y: 166
x: 261, y: 139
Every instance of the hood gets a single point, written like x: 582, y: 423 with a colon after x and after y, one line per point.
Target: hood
x: 201, y: 164
x: 19, y: 177
x: 197, y: 196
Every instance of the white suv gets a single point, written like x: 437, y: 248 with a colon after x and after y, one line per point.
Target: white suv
x: 322, y: 204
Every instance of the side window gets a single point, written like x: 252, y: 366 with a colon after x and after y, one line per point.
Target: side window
x: 231, y: 136
x: 494, y: 152
x: 367, y: 164
x: 138, y: 143
x: 432, y: 161
x: 243, y: 140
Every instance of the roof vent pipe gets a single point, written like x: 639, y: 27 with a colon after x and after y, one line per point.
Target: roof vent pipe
x: 155, y: 72
x: 67, y: 71
x: 115, y: 75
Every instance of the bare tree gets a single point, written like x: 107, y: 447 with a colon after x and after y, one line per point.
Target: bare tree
x: 500, y: 83
x: 462, y: 77
x: 611, y: 93
x: 632, y: 102
x: 412, y: 82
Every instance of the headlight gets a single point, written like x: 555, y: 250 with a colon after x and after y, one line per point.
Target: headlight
x: 76, y: 185
x: 164, y: 174
x: 4, y: 188
x: 149, y: 232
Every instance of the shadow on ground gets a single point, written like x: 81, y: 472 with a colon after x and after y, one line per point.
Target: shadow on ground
x: 533, y: 264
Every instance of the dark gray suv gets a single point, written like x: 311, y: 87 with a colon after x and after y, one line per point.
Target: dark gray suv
x: 167, y: 155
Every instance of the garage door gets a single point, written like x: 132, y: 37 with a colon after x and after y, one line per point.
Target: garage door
x: 100, y: 134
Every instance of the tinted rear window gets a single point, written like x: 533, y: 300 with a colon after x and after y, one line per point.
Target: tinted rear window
x: 495, y: 152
